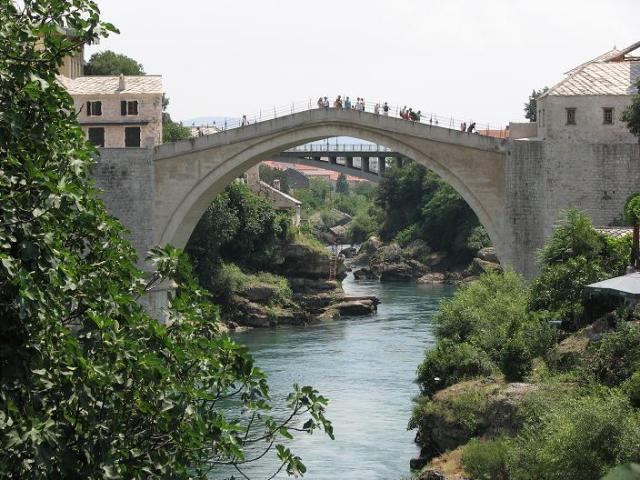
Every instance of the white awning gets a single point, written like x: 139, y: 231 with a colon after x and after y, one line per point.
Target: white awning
x: 625, y: 286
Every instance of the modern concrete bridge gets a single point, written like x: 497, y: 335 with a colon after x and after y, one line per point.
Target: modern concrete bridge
x: 366, y: 161
x: 516, y: 187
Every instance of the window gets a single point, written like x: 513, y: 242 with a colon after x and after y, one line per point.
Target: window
x: 96, y: 136
x: 571, y: 116
x: 129, y: 107
x: 607, y: 116
x: 132, y: 137
x: 94, y: 109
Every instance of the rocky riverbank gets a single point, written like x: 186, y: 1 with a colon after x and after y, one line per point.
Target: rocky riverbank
x: 312, y: 297
x: 418, y: 263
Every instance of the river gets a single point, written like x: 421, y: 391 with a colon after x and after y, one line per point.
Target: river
x: 366, y: 367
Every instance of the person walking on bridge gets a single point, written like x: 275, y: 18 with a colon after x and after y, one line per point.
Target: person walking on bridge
x: 347, y: 103
x: 385, y: 109
x: 245, y: 122
x: 463, y: 127
x: 320, y: 102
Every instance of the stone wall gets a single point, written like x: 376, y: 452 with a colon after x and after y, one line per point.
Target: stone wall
x: 126, y: 178
x: 544, y: 177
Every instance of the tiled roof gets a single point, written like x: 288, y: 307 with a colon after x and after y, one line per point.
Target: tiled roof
x: 615, y: 232
x: 106, y: 85
x: 600, y: 78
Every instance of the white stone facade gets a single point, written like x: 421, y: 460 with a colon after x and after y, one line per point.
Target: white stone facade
x: 140, y: 117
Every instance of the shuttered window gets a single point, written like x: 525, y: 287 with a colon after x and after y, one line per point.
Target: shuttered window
x: 96, y: 136
x: 129, y: 107
x: 132, y: 137
x: 94, y: 108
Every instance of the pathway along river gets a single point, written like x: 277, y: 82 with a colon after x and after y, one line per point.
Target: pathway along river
x: 366, y: 367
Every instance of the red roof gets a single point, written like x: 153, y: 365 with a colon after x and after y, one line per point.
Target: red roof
x: 310, y: 171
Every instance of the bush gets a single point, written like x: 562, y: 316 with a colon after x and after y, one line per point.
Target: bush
x: 516, y: 360
x: 478, y: 239
x: 617, y: 356
x: 487, y: 459
x: 578, y: 438
x: 407, y: 235
x: 483, y: 313
x: 451, y: 362
x: 632, y: 388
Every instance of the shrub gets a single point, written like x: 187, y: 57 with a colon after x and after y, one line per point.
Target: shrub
x: 617, y: 356
x: 578, y: 438
x: 407, y: 235
x: 451, y: 362
x: 516, y: 359
x: 632, y: 388
x: 487, y: 459
x: 483, y: 313
x: 478, y: 238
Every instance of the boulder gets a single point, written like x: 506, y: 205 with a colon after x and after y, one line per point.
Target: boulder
x: 304, y: 261
x: 329, y: 314
x: 364, y: 274
x: 479, y: 266
x: 488, y: 254
x: 339, y: 217
x: 355, y: 307
x: 431, y: 473
x: 432, y: 278
x: 503, y: 408
x: 339, y: 234
x: 401, y: 272
x: 418, y: 250
x: 436, y: 260
x: 349, y: 252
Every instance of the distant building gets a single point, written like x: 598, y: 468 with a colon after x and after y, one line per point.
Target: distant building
x: 587, y: 104
x: 280, y: 200
x: 118, y: 112
x: 201, y: 130
x: 313, y: 172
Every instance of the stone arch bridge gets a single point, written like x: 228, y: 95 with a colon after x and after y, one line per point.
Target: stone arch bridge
x: 514, y: 187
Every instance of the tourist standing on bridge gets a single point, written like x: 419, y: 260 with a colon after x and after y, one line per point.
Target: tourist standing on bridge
x: 347, y: 103
x: 385, y: 109
x: 245, y: 122
x: 376, y: 109
x: 472, y: 128
x: 403, y: 110
x: 463, y: 127
x: 325, y: 104
x: 320, y: 103
x: 338, y: 102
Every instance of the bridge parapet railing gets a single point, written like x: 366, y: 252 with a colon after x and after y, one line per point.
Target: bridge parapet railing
x: 426, y: 118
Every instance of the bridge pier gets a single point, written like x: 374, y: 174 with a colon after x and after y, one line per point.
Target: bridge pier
x: 382, y: 165
x: 364, y: 164
x: 399, y: 162
x: 333, y: 160
x: 349, y: 162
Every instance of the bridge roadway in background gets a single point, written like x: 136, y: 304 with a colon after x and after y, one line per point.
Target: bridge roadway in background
x: 367, y: 161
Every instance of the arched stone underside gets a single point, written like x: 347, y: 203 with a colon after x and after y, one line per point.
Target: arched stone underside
x: 189, y: 174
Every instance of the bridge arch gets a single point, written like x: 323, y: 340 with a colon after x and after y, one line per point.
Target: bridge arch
x: 473, y: 167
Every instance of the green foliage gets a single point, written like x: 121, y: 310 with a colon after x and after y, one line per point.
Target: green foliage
x: 531, y: 107
x: 578, y: 438
x: 342, y: 185
x: 516, y: 359
x: 575, y: 255
x: 632, y: 388
x: 617, y: 356
x: 268, y: 175
x: 90, y: 385
x: 173, y: 131
x: 632, y: 209
x: 451, y: 362
x: 111, y: 63
x: 361, y: 228
x: 229, y: 280
x: 631, y: 115
x: 239, y: 227
x: 478, y: 239
x: 416, y: 201
x: 487, y: 459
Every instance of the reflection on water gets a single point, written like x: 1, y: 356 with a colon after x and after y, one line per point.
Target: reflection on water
x: 365, y: 366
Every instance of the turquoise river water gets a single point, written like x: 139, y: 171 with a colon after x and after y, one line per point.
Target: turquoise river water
x: 366, y: 367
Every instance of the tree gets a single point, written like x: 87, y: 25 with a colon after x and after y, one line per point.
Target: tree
x: 90, y: 385
x: 632, y: 215
x: 172, y: 131
x: 111, y: 63
x: 269, y: 174
x: 631, y: 114
x: 531, y: 107
x: 342, y: 185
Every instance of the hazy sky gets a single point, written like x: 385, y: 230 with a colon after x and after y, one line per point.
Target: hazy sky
x: 471, y: 59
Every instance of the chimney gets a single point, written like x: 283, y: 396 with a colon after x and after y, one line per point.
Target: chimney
x: 121, y: 85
